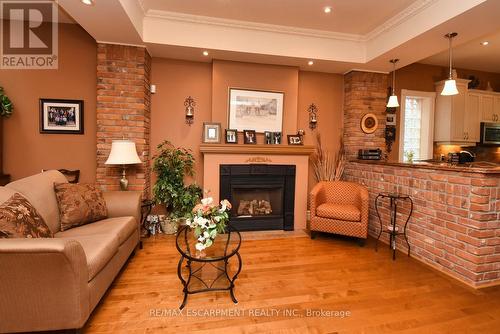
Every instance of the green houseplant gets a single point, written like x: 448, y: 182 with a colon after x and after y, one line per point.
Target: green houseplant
x: 171, y: 165
x: 6, y: 107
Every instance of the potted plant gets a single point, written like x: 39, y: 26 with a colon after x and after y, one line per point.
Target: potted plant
x: 6, y: 107
x: 172, y: 164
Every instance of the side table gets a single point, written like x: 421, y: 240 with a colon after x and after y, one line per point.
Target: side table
x: 393, y: 229
x: 146, y: 207
x: 209, y: 270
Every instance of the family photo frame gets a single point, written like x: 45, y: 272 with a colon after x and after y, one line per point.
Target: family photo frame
x: 59, y: 116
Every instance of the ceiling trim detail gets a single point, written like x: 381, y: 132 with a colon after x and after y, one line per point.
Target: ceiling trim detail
x: 239, y: 24
x: 410, y: 11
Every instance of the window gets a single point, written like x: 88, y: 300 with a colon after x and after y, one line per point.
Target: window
x: 417, y: 125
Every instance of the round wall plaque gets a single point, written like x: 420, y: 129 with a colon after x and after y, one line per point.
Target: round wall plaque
x: 369, y: 123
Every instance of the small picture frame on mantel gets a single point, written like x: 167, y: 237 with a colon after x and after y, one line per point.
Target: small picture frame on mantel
x: 211, y: 133
x: 231, y: 136
x: 295, y: 140
x: 250, y: 137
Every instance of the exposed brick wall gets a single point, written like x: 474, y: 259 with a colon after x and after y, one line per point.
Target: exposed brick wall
x: 123, y: 111
x: 364, y: 93
x: 455, y: 225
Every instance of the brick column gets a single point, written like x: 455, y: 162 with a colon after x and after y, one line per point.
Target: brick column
x: 123, y: 111
x: 364, y: 93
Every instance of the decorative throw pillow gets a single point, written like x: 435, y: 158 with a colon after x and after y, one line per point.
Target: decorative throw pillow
x: 79, y: 204
x: 19, y: 219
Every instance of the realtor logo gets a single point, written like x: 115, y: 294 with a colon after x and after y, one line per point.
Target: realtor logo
x: 28, y: 34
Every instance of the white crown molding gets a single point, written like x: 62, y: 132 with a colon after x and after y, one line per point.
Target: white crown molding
x: 414, y: 9
x: 238, y: 24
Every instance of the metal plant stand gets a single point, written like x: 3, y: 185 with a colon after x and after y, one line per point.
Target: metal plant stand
x: 217, y: 259
x: 393, y: 231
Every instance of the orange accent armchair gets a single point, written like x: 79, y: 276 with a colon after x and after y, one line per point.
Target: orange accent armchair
x: 339, y: 207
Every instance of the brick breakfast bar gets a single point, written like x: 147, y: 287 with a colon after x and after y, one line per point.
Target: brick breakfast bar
x: 455, y: 225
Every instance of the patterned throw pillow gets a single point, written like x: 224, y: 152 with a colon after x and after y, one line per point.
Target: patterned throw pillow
x: 79, y: 204
x: 19, y: 219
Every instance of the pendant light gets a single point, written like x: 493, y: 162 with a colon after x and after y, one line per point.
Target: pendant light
x: 393, y: 99
x: 450, y: 85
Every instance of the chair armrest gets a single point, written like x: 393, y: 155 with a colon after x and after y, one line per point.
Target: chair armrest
x: 44, y: 285
x: 316, y: 198
x: 123, y: 203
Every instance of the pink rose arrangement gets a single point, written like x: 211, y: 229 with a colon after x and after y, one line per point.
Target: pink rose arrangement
x: 207, y: 220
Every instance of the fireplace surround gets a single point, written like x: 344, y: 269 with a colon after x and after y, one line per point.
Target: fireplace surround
x: 263, y: 196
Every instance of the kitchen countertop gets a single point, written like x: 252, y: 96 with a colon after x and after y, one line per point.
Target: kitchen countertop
x: 475, y: 167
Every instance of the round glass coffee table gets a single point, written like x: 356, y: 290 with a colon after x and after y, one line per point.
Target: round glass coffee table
x: 214, y: 269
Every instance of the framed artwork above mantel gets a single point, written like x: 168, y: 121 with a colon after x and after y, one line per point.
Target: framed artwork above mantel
x: 255, y: 109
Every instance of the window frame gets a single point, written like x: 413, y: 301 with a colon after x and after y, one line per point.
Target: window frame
x: 429, y: 102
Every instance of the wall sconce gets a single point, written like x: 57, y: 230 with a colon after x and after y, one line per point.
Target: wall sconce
x: 313, y: 118
x: 189, y: 103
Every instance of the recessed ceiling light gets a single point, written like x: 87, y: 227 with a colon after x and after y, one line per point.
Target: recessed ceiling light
x: 205, y: 53
x: 87, y: 2
x: 310, y: 63
x: 327, y: 9
x: 484, y: 43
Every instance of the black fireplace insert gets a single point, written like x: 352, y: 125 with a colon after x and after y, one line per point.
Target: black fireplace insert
x: 262, y: 195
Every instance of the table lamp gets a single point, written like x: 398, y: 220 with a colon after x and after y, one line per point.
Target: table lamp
x: 123, y: 152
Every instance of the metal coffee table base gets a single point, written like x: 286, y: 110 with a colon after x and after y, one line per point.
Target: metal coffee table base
x: 196, y: 275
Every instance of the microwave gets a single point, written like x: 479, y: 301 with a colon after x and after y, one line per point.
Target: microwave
x: 490, y: 133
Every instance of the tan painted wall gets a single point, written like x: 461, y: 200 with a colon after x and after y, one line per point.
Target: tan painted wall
x: 227, y: 74
x: 422, y: 77
x: 175, y: 80
x: 25, y: 150
x: 208, y: 85
x: 326, y: 92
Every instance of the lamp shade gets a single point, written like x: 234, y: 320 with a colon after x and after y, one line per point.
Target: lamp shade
x: 450, y: 88
x: 123, y: 152
x: 393, y: 102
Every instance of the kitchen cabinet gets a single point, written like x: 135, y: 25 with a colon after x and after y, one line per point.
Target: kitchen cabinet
x: 456, y: 119
x: 488, y: 104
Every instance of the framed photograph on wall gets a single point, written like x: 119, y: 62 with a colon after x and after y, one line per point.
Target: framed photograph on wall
x: 211, y: 133
x: 61, y: 116
x: 231, y: 136
x: 255, y: 109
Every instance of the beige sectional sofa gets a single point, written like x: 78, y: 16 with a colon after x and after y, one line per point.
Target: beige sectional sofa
x: 55, y: 283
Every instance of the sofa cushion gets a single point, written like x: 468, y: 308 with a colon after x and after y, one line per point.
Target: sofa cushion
x: 79, y: 204
x: 19, y: 219
x: 5, y: 194
x: 99, y: 250
x: 347, y: 212
x: 39, y: 191
x: 122, y: 227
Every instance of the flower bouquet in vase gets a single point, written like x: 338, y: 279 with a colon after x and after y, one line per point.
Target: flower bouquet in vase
x: 207, y: 220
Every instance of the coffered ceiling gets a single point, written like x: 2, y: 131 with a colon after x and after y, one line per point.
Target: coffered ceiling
x: 356, y: 34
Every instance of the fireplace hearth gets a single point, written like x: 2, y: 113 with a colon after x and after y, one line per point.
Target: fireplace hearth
x: 262, y: 195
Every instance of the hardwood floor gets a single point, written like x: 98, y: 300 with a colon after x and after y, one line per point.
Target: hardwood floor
x: 296, y: 275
